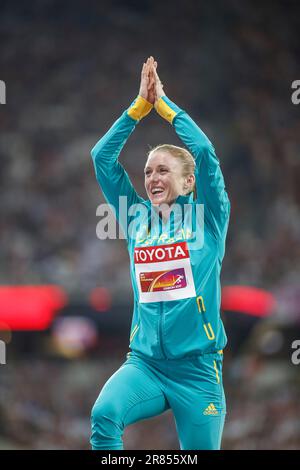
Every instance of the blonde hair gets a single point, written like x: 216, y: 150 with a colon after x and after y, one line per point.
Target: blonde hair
x: 187, y: 161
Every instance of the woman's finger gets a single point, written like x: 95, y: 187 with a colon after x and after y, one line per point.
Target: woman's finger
x: 143, y: 70
x: 156, y: 74
x: 152, y: 76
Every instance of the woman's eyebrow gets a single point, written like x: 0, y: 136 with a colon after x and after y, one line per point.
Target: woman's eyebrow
x: 147, y: 168
x: 158, y: 166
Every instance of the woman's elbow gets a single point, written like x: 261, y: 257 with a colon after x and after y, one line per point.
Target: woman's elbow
x: 205, y: 147
x: 97, y: 150
x: 94, y: 152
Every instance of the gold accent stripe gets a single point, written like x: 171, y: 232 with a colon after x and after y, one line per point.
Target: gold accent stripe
x: 139, y: 109
x: 210, y: 334
x: 164, y: 110
x: 217, y: 373
x: 200, y: 303
x: 134, y: 331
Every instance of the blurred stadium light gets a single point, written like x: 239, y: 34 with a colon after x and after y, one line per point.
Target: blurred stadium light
x: 100, y: 299
x: 248, y: 300
x: 30, y: 307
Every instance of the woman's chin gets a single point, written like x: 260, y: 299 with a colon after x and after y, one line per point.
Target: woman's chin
x: 158, y: 201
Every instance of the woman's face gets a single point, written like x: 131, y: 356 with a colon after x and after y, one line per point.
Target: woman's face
x: 164, y: 181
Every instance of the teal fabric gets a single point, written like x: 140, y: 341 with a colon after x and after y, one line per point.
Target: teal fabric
x: 174, y: 361
x: 143, y: 388
x: 178, y: 328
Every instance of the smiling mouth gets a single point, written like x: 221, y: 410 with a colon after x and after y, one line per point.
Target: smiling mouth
x: 157, y: 191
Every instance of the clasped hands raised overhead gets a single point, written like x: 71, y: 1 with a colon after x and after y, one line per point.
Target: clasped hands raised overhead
x: 151, y: 88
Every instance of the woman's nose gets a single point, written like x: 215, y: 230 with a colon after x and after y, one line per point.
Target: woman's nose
x: 154, y: 176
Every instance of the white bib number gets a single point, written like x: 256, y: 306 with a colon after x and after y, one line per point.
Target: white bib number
x: 164, y: 272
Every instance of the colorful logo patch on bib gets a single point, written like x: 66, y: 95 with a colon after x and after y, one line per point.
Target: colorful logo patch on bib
x: 163, y: 280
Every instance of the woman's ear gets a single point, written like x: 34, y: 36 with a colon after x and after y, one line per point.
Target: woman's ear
x: 189, y: 183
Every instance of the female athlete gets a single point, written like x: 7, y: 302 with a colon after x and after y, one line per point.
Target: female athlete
x: 177, y: 336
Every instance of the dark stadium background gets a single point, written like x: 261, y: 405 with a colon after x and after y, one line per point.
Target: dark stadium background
x: 70, y: 69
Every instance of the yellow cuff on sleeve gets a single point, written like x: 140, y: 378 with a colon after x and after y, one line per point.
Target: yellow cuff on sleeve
x: 139, y: 109
x: 164, y: 110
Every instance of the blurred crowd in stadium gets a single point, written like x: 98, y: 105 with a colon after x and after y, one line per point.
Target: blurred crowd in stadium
x: 70, y: 72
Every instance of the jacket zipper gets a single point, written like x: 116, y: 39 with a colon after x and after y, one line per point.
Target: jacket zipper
x: 160, y: 330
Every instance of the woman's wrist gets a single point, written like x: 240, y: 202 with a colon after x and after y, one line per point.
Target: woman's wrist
x: 139, y: 108
x: 164, y: 110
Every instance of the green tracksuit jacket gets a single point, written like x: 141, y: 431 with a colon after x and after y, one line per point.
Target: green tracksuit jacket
x: 176, y: 282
